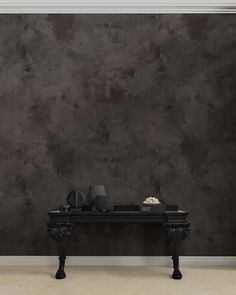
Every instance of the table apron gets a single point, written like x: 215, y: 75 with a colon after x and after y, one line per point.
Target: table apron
x: 121, y: 219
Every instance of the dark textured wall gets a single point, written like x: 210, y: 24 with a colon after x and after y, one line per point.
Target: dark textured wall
x: 144, y: 104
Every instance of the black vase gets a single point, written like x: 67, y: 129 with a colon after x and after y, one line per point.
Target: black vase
x: 94, y: 191
x: 76, y: 199
x: 103, y: 203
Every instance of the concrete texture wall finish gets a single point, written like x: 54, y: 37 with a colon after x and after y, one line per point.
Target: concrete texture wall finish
x: 144, y: 104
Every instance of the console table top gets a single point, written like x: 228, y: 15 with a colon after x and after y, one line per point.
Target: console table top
x: 119, y: 217
x: 115, y: 213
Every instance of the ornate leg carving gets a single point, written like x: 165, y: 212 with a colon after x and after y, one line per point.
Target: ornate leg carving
x: 60, y: 232
x: 176, y: 233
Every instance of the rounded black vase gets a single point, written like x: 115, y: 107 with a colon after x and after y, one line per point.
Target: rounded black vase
x: 103, y: 203
x: 76, y: 199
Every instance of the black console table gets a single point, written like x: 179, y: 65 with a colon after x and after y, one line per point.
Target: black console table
x: 61, y: 224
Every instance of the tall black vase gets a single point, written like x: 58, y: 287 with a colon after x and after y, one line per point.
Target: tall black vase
x: 94, y: 191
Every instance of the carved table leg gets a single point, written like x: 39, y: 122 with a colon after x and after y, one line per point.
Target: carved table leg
x: 60, y: 232
x: 175, y: 243
x: 61, y: 250
x: 176, y: 233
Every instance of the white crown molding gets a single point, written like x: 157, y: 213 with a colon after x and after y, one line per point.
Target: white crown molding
x: 115, y: 6
x: 185, y: 261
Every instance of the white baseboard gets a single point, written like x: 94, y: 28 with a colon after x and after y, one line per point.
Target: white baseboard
x: 40, y: 9
x: 120, y: 260
x: 117, y: 6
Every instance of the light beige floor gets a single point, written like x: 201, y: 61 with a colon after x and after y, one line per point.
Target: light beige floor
x: 106, y: 280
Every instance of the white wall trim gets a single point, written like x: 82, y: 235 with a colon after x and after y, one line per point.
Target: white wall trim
x: 117, y: 6
x: 117, y: 9
x: 120, y: 260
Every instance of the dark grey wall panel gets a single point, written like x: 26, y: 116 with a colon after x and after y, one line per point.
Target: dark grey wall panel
x: 144, y: 104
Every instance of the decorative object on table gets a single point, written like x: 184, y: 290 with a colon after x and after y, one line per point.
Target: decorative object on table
x: 103, y: 203
x: 65, y: 208
x: 86, y: 208
x: 76, y: 210
x: 152, y: 204
x: 94, y: 191
x: 151, y: 200
x: 171, y: 208
x: 76, y: 199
